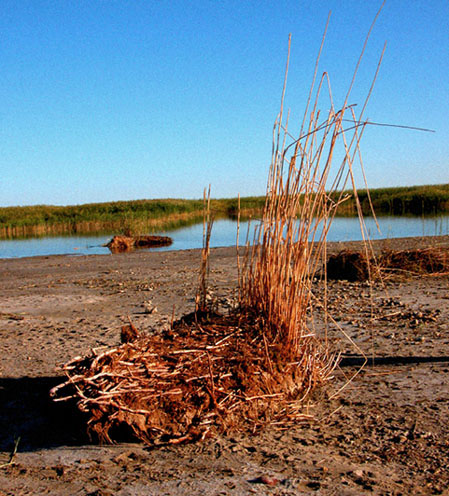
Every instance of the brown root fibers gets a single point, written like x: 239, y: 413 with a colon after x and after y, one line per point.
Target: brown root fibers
x: 208, y: 374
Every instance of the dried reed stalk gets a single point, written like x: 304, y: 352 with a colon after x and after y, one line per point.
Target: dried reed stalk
x: 304, y: 191
x: 201, y: 302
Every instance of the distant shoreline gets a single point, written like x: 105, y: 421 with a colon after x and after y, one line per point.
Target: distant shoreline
x: 147, y: 216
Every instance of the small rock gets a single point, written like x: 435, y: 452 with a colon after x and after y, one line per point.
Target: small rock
x: 124, y: 457
x: 265, y: 479
x: 59, y: 470
x: 287, y: 483
x: 150, y: 309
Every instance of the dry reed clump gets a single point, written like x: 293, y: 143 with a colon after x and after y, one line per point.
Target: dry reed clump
x: 356, y: 266
x: 258, y: 365
x: 305, y: 189
x: 424, y: 261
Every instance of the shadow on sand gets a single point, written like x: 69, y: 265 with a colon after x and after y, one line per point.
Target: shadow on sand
x: 28, y: 412
x: 359, y: 361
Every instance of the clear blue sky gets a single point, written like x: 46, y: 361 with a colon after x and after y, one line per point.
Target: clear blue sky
x: 106, y: 100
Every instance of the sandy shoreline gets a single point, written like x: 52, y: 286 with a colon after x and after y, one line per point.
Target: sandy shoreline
x: 388, y: 434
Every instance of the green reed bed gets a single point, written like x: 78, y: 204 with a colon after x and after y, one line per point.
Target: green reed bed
x: 409, y: 200
x: 137, y: 217
x: 146, y: 216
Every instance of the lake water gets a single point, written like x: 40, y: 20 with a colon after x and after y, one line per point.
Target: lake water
x: 224, y: 234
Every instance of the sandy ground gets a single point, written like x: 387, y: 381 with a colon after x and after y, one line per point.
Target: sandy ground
x: 386, y: 433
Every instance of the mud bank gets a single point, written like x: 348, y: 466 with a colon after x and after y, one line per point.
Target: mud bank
x: 385, y: 433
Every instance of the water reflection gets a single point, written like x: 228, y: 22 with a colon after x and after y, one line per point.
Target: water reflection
x: 224, y: 234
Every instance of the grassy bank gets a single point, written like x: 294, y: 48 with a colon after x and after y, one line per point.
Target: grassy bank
x: 146, y: 216
x: 136, y: 217
x: 412, y: 200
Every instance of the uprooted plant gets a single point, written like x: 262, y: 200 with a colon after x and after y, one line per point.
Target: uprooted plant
x: 208, y: 372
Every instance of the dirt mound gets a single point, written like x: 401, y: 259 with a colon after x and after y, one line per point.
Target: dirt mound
x: 356, y: 266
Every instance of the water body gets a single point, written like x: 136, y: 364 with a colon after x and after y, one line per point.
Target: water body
x: 224, y: 234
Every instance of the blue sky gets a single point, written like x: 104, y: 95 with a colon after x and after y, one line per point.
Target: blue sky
x: 105, y: 100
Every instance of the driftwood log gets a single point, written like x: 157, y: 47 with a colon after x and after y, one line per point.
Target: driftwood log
x: 120, y: 244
